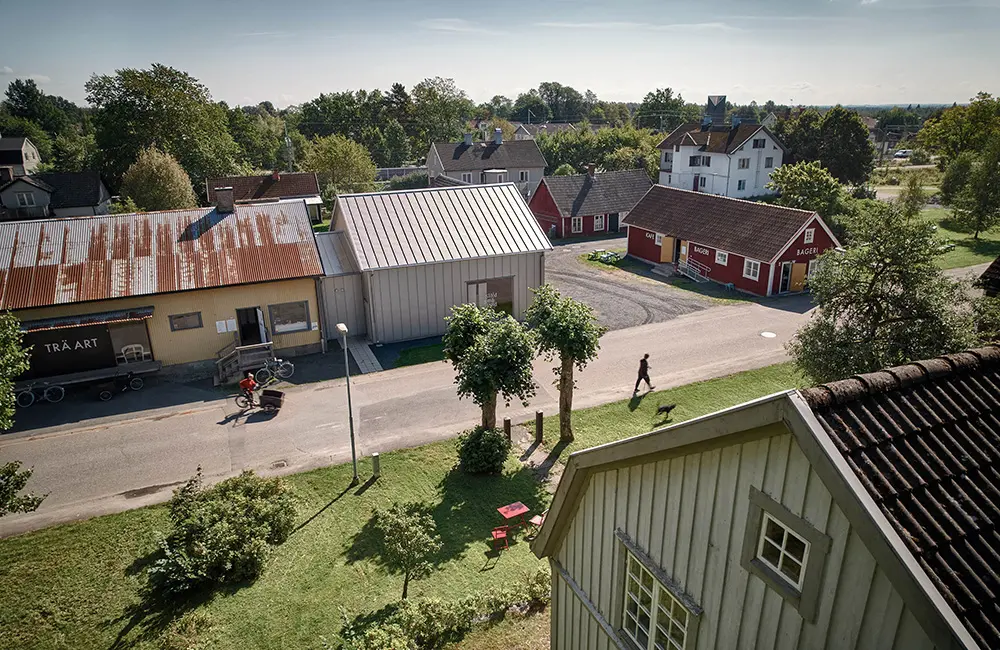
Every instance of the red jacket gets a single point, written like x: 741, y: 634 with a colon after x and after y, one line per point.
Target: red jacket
x: 248, y: 384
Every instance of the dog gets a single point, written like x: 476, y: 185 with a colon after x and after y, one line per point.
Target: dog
x: 666, y: 409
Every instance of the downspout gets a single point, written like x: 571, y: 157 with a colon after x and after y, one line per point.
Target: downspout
x: 321, y: 306
x: 770, y: 277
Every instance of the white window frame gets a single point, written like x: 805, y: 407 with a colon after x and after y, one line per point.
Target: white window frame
x: 467, y: 177
x: 304, y: 325
x: 744, y: 163
x: 658, y: 239
x: 769, y: 162
x: 694, y: 161
x: 751, y: 269
x: 179, y: 323
x: 502, y: 178
x: 741, y: 185
x: 25, y: 199
x: 603, y: 223
x: 813, y: 265
x: 643, y: 585
x: 762, y: 145
x: 522, y: 176
x: 787, y: 534
x: 706, y: 161
x: 576, y: 225
x: 721, y: 258
x: 809, y: 236
x: 702, y: 181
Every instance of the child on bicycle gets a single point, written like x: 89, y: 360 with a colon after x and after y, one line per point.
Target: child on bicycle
x: 247, y: 385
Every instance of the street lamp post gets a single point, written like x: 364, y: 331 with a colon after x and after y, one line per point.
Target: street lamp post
x: 342, y: 329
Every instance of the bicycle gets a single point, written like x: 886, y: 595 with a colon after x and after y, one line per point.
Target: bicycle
x: 120, y: 385
x: 45, y: 392
x: 274, y: 367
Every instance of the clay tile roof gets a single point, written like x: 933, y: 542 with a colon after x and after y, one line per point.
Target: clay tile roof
x: 755, y: 230
x: 247, y: 189
x: 721, y: 138
x: 607, y: 192
x: 924, y: 440
x: 990, y: 279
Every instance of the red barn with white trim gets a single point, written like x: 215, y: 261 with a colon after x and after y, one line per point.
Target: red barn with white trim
x: 758, y: 248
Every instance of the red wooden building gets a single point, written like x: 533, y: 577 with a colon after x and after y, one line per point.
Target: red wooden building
x: 758, y: 248
x: 588, y: 204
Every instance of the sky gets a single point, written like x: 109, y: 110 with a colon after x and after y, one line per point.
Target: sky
x: 792, y: 51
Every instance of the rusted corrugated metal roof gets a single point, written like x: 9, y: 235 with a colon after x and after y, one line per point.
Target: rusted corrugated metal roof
x: 409, y: 227
x: 62, y: 261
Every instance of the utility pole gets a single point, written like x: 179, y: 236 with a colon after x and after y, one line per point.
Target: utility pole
x: 529, y: 115
x: 289, y: 151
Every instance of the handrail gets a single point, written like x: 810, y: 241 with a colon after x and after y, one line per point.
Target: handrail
x: 699, y: 268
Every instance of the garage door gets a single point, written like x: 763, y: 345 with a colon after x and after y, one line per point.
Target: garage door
x: 343, y: 302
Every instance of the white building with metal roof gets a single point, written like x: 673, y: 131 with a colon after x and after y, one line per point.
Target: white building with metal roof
x: 420, y: 252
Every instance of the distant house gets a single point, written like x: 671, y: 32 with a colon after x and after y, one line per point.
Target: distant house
x: 856, y: 514
x: 18, y: 157
x: 755, y: 247
x: 990, y: 279
x: 479, y: 163
x: 587, y: 204
x: 268, y: 188
x: 63, y: 194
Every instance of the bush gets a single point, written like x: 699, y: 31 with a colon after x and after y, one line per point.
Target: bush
x: 920, y: 157
x: 483, y: 451
x: 429, y: 623
x: 223, y: 533
x: 892, y: 180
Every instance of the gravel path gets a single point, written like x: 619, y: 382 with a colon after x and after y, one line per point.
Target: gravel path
x: 620, y: 299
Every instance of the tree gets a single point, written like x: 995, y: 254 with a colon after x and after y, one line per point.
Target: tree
x: 12, y: 481
x: 625, y: 158
x: 565, y: 103
x: 962, y: 128
x: 530, y: 107
x: 409, y: 540
x: 163, y: 108
x: 663, y: 110
x: 156, y: 181
x: 499, y: 106
x: 913, y: 198
x: 567, y: 328
x: 846, y: 151
x: 802, y: 135
x: 18, y: 127
x: 72, y: 152
x: 397, y: 144
x: 898, y: 120
x: 564, y: 169
x: 125, y: 205
x: 399, y: 104
x: 342, y: 163
x: 440, y: 109
x: 506, y: 128
x: 807, y: 186
x: 13, y: 362
x: 883, y: 301
x: 976, y: 206
x: 260, y: 136
x: 26, y: 100
x: 492, y: 355
x: 956, y: 176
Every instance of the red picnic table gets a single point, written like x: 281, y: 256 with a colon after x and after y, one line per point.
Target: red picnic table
x: 514, y: 511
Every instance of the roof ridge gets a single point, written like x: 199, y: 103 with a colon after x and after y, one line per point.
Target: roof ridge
x: 429, y: 189
x: 730, y: 198
x: 903, y: 376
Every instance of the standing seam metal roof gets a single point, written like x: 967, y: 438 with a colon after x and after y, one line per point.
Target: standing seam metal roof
x: 335, y: 253
x: 426, y: 226
x: 69, y: 260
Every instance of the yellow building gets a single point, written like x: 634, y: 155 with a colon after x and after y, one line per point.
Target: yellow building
x: 170, y: 288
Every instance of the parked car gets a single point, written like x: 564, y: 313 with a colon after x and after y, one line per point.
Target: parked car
x: 903, y: 153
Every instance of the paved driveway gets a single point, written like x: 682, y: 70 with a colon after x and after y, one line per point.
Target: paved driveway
x: 620, y: 299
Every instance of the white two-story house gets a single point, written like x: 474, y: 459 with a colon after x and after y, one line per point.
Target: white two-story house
x: 730, y: 160
x: 479, y: 163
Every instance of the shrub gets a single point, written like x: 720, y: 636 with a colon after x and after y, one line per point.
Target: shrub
x: 223, y: 533
x: 409, y: 540
x: 483, y: 451
x: 920, y: 157
x: 429, y: 623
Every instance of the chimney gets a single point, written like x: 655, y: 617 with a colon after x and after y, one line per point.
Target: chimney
x: 591, y: 169
x: 716, y: 109
x: 224, y: 200
x: 497, y: 136
x: 468, y: 140
x: 737, y: 121
x: 276, y: 175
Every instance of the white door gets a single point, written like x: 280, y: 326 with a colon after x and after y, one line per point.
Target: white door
x: 260, y: 323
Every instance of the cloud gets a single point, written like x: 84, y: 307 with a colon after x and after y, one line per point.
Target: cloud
x: 5, y: 70
x: 868, y: 2
x: 454, y: 25
x: 40, y: 77
x: 655, y: 27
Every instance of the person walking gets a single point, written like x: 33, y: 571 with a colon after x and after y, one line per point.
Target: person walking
x: 643, y: 374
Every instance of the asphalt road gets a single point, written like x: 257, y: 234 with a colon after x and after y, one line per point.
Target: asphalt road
x: 112, y: 464
x: 619, y: 299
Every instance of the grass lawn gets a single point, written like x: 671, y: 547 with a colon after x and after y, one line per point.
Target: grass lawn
x: 617, y: 420
x: 422, y: 354
x: 323, y: 226
x: 78, y: 585
x: 967, y: 251
x: 625, y: 263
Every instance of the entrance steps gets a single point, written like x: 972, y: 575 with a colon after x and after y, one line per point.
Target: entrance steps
x: 363, y: 355
x: 666, y: 270
x: 694, y: 270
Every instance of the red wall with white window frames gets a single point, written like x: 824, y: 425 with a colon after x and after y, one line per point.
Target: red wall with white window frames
x: 642, y: 244
x: 732, y: 272
x: 802, y: 252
